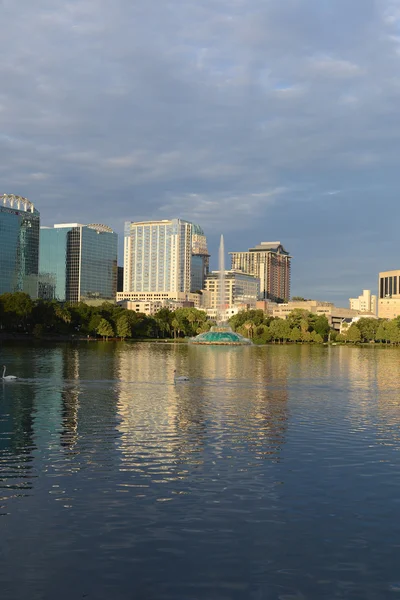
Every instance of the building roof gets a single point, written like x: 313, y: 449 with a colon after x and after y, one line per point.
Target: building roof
x: 17, y: 202
x: 267, y: 247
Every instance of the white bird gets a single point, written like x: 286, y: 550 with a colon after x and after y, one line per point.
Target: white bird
x: 7, y: 377
x: 181, y: 378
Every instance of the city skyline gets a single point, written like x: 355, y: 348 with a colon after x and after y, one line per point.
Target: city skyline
x: 199, y: 254
x: 261, y: 120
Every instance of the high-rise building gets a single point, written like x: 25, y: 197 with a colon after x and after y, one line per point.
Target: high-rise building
x: 365, y: 303
x: 240, y: 288
x: 270, y: 263
x: 389, y: 294
x: 164, y: 256
x: 78, y: 263
x: 19, y: 245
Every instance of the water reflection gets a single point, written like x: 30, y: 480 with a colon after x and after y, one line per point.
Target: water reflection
x: 16, y: 445
x: 259, y: 477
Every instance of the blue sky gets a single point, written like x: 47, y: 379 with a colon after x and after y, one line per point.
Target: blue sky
x: 261, y: 119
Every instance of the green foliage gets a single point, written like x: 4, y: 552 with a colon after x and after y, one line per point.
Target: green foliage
x: 298, y: 299
x: 16, y: 310
x: 295, y: 334
x: 368, y: 328
x: 257, y: 317
x: 321, y: 326
x: 353, y: 334
x: 105, y: 329
x: 123, y: 327
x: 382, y: 333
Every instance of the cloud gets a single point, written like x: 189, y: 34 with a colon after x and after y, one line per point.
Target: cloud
x: 112, y: 111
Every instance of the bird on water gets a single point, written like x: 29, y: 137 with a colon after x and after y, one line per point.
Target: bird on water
x: 7, y: 377
x: 180, y: 378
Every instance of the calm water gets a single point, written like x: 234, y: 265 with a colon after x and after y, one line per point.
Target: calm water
x: 274, y: 473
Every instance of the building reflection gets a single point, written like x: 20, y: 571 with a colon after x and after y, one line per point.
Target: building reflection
x: 387, y: 366
x: 235, y: 402
x: 16, y: 443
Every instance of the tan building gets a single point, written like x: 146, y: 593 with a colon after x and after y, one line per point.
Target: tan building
x: 365, y: 303
x: 162, y: 298
x: 270, y: 263
x: 334, y: 314
x: 151, y: 308
x: 240, y: 288
x: 389, y: 294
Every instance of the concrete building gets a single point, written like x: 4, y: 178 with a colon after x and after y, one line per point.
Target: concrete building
x: 19, y: 245
x: 270, y: 263
x: 78, y: 263
x: 389, y: 294
x: 151, y: 308
x: 164, y: 256
x: 240, y: 288
x: 364, y: 303
x: 348, y: 321
x: 161, y: 298
x: 334, y: 314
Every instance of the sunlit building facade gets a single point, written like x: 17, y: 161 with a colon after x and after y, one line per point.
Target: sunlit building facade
x: 78, y: 263
x: 164, y: 256
x: 389, y: 294
x: 270, y: 263
x: 19, y: 245
x: 240, y: 288
x: 364, y: 303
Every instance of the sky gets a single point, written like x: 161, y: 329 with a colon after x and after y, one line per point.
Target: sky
x: 263, y: 120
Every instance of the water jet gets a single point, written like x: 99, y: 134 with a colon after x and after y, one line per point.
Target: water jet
x: 221, y: 334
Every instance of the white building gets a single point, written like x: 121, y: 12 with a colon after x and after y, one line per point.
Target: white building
x: 167, y: 256
x: 240, y: 288
x: 364, y: 303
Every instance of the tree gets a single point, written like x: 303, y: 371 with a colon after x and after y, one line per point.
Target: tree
x: 298, y: 299
x: 295, y: 335
x: 105, y: 329
x: 175, y: 327
x: 382, y: 333
x: 123, y: 327
x: 17, y: 308
x: 393, y: 332
x: 299, y: 318
x: 94, y: 323
x: 248, y: 325
x: 353, y: 334
x: 321, y: 326
x: 280, y: 330
x: 316, y: 337
x: 368, y: 328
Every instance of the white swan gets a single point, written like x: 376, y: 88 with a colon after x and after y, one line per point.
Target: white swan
x: 7, y: 377
x: 181, y: 378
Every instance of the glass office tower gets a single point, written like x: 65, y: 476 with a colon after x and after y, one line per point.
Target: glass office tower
x: 19, y: 245
x: 78, y: 263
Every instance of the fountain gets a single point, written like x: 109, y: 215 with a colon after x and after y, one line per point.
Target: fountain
x: 221, y: 334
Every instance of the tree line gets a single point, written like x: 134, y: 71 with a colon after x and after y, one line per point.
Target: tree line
x: 303, y: 326
x: 22, y: 315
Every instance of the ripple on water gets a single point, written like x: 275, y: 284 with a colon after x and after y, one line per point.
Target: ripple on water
x: 273, y: 473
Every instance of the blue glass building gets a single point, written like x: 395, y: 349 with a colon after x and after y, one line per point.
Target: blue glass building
x: 19, y: 245
x: 78, y: 263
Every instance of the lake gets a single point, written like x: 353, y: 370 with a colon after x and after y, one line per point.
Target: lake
x: 274, y: 473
